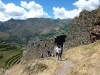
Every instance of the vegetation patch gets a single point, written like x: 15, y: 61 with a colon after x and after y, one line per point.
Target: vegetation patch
x: 14, y: 60
x: 9, y: 53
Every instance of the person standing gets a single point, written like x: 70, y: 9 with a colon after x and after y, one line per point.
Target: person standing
x: 58, y: 52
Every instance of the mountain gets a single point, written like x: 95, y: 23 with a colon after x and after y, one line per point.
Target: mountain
x: 1, y: 23
x: 33, y: 29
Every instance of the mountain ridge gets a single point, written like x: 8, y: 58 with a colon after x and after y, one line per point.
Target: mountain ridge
x: 35, y: 28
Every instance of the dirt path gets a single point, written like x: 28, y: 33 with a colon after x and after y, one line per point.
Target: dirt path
x: 65, y: 67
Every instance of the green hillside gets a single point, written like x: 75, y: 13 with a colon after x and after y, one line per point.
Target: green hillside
x: 8, y: 54
x: 21, y: 31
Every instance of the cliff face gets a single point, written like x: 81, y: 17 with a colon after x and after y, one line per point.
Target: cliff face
x: 81, y: 27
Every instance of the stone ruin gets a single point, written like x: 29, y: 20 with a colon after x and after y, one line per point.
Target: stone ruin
x: 42, y: 48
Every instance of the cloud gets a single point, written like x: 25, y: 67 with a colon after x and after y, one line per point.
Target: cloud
x: 62, y: 13
x: 31, y: 5
x: 80, y: 4
x: 26, y: 10
x: 87, y: 4
x: 13, y: 10
x: 34, y: 10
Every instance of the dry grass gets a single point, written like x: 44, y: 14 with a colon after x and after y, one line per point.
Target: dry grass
x: 50, y: 65
x: 87, y: 59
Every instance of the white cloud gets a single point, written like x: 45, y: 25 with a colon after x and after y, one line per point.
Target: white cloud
x: 13, y: 10
x: 31, y: 5
x: 26, y: 10
x: 80, y: 4
x: 62, y: 13
x: 87, y: 4
x: 35, y: 10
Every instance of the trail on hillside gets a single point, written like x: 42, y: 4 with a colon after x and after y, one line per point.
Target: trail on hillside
x: 55, y: 67
x: 65, y: 67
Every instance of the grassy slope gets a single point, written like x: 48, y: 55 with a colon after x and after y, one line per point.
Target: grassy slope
x: 7, y: 52
x: 86, y: 59
x: 52, y: 66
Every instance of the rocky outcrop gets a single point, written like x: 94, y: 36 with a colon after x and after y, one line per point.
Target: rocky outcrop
x: 81, y: 27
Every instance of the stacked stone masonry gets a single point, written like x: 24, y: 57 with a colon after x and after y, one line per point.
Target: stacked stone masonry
x: 81, y: 27
x: 39, y: 49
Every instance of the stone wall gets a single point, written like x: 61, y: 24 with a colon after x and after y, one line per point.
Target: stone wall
x: 38, y: 49
x: 81, y: 27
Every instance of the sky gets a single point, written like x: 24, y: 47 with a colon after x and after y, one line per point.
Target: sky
x: 63, y: 9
